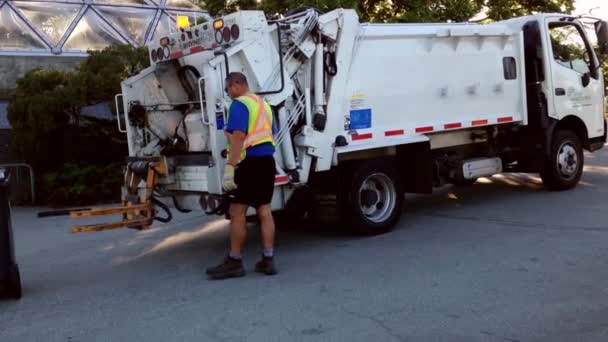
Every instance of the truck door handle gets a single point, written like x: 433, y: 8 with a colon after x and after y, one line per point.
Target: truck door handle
x: 560, y: 91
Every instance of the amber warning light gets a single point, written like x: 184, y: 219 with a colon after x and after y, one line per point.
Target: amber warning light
x: 218, y: 24
x: 183, y: 22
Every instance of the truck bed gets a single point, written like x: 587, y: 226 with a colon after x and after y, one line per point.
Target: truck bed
x: 433, y: 78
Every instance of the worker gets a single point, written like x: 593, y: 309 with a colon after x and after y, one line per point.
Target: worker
x: 249, y: 175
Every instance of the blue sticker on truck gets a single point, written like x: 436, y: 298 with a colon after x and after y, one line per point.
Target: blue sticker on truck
x: 219, y: 120
x: 361, y: 118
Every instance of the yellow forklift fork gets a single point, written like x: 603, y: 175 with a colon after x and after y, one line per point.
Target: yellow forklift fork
x: 137, y: 211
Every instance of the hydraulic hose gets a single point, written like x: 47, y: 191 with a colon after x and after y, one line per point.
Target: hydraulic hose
x: 160, y: 204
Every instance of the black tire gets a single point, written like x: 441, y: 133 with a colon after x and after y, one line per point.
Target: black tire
x: 299, y: 205
x: 297, y: 208
x: 14, y: 283
x: 373, y: 182
x: 564, y: 166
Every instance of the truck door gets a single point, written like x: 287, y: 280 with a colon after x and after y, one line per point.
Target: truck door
x: 576, y: 82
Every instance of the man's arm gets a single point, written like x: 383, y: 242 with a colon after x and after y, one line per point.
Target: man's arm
x: 237, y: 140
x: 236, y: 131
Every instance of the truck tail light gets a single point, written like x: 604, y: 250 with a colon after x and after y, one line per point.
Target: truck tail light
x: 235, y: 32
x: 226, y: 34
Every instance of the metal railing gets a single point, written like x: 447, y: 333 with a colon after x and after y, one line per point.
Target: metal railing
x: 31, y: 171
x: 118, y: 112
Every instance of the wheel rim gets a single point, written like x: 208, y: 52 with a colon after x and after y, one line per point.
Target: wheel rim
x: 567, y: 160
x: 377, y: 197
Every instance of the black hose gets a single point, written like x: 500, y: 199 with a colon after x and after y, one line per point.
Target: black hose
x: 180, y: 209
x: 165, y: 209
x: 222, y: 207
x: 280, y: 65
x: 175, y: 203
x: 181, y: 73
x: 182, y: 123
x: 329, y: 62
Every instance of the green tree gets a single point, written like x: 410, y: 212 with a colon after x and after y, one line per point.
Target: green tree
x: 272, y: 7
x: 48, y: 130
x: 505, y: 9
x: 40, y: 112
x: 98, y: 77
x: 436, y: 10
x: 402, y: 10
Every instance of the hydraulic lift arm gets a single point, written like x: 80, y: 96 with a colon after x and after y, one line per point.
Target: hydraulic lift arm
x: 138, y: 211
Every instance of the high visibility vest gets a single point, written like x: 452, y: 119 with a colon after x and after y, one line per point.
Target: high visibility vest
x: 259, y: 130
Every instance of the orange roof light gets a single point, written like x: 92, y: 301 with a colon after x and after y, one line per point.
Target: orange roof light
x: 183, y: 22
x: 218, y: 24
x: 164, y: 41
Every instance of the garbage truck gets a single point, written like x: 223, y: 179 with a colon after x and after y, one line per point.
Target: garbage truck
x: 366, y: 112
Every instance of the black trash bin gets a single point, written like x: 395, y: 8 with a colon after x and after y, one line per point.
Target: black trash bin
x: 10, y: 281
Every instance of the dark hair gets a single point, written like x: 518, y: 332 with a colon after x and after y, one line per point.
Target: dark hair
x: 236, y: 77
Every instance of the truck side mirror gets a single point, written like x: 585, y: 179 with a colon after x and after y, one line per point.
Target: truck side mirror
x: 586, y: 79
x: 601, y: 29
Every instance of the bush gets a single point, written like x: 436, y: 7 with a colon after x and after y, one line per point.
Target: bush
x: 76, y: 159
x: 83, y: 184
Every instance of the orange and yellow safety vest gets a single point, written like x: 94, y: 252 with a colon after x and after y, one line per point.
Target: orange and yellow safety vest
x: 259, y: 130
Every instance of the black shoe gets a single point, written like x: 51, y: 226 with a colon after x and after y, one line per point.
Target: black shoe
x: 266, y: 266
x: 230, y: 268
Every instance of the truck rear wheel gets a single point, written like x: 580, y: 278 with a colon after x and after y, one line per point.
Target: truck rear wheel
x: 564, y: 167
x: 370, y: 197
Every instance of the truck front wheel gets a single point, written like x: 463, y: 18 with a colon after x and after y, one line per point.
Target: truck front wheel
x: 370, y: 197
x: 564, y: 167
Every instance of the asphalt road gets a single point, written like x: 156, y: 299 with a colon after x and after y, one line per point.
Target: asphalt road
x: 503, y: 260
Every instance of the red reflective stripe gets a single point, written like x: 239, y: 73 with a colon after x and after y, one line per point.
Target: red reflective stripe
x: 215, y: 45
x: 393, y: 133
x: 505, y: 119
x: 424, y: 129
x: 362, y: 136
x: 196, y: 49
x: 480, y: 122
x: 281, y: 179
x: 176, y: 54
x: 452, y: 125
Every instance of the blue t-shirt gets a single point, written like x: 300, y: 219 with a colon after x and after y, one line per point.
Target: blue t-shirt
x: 238, y: 120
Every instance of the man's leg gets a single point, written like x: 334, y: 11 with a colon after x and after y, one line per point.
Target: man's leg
x: 266, y: 265
x: 238, y: 229
x: 267, y: 222
x: 233, y: 264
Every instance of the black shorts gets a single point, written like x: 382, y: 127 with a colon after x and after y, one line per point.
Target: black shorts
x: 254, y: 178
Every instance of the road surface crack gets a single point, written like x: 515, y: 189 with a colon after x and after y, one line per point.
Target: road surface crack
x: 508, y: 339
x: 379, y: 323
